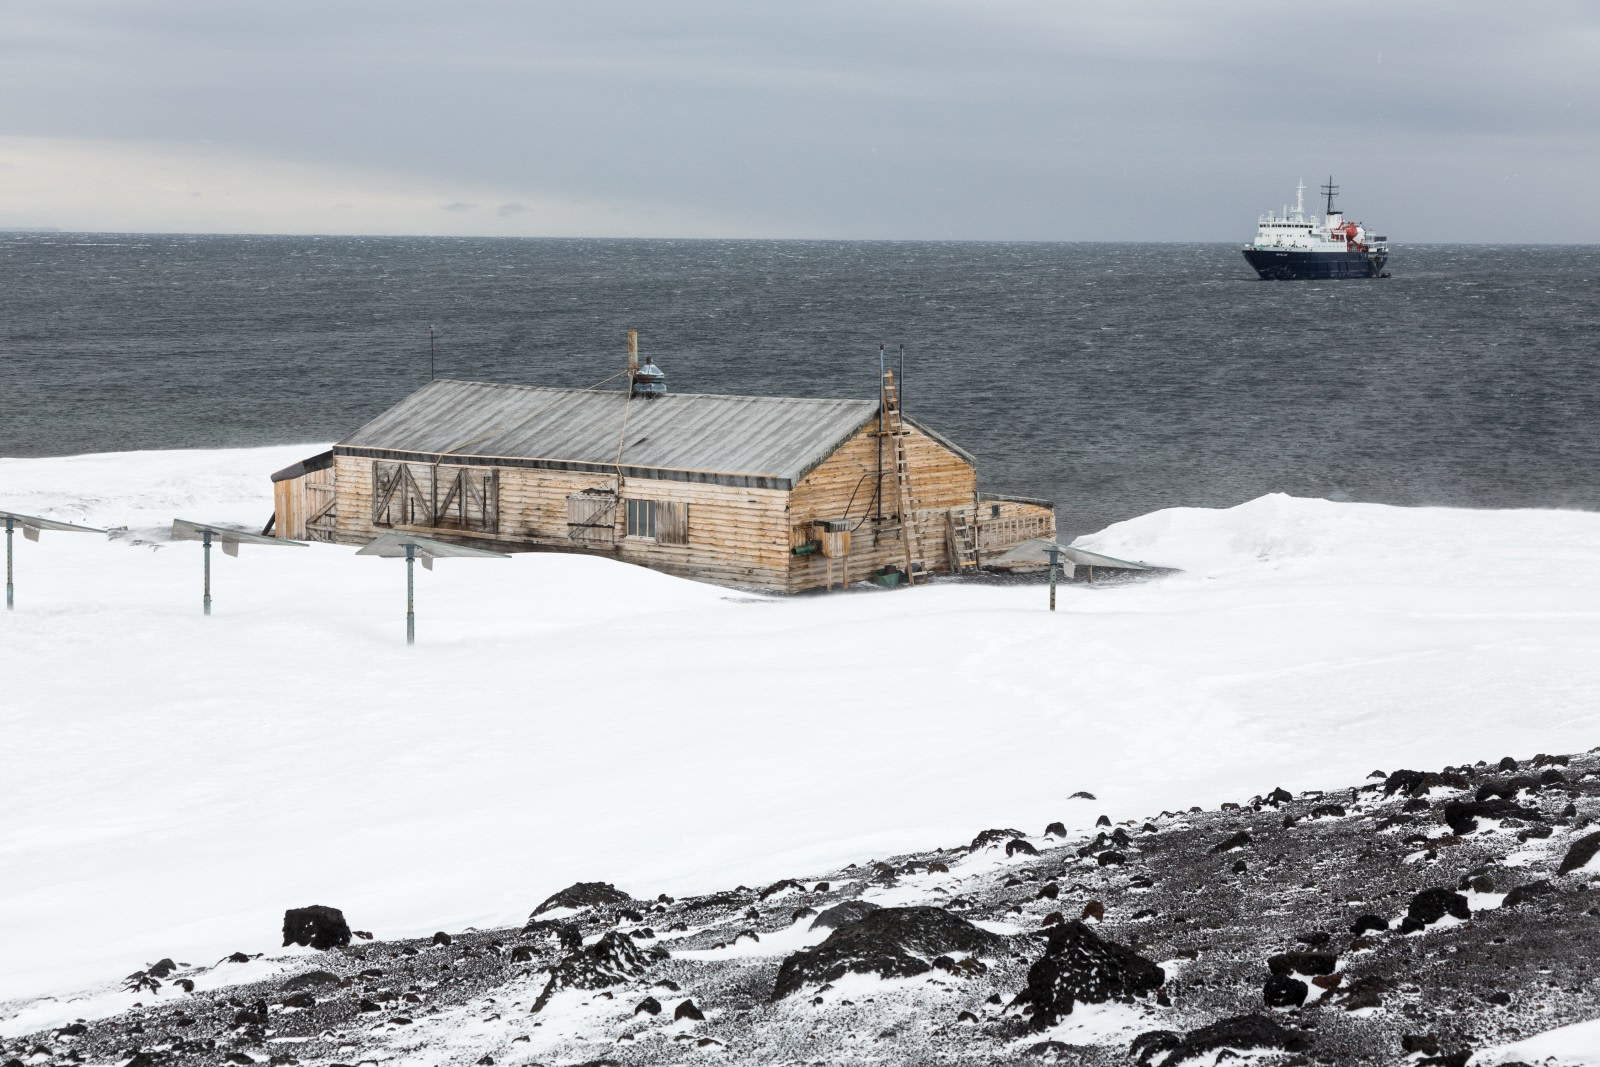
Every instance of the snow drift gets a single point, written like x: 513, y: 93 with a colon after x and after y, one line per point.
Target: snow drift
x: 173, y: 782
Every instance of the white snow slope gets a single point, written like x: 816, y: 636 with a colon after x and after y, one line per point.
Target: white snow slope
x: 170, y: 783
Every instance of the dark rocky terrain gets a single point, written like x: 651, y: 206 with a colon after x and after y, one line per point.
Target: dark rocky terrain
x: 1414, y: 918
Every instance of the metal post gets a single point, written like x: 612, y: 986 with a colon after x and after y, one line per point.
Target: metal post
x: 1055, y: 556
x: 205, y: 539
x: 431, y: 347
x: 882, y: 426
x: 411, y: 615
x: 11, y: 596
x: 900, y: 380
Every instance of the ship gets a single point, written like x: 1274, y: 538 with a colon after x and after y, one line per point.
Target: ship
x: 1294, y: 245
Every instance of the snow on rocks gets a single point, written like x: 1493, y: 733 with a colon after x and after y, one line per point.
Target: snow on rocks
x: 1432, y: 905
x: 843, y: 913
x: 1240, y: 1033
x: 889, y: 942
x: 610, y: 961
x: 1078, y: 966
x: 916, y: 983
x: 580, y: 896
x: 1581, y: 854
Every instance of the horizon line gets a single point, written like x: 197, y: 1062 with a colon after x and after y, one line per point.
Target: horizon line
x: 57, y: 231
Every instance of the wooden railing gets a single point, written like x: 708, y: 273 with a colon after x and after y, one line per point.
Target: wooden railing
x: 1008, y: 531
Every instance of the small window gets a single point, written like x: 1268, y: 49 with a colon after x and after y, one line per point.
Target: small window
x: 641, y: 518
x: 666, y: 521
x: 994, y: 511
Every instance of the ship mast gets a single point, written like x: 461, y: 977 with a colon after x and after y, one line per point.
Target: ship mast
x: 1332, y: 190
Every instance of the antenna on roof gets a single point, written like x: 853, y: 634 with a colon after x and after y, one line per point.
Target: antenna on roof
x: 633, y: 359
x: 901, y: 383
x: 431, y: 347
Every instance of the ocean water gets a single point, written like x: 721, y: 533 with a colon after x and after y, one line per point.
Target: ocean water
x: 1112, y: 379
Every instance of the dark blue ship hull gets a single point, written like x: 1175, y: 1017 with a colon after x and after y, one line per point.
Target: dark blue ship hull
x: 1273, y: 263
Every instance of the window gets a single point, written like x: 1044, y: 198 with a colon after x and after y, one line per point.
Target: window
x: 664, y: 520
x: 641, y: 518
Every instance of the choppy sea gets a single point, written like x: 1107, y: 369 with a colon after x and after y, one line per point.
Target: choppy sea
x: 1113, y: 379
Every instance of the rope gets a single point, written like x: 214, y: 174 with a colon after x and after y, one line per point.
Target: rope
x: 622, y: 435
x: 603, y: 381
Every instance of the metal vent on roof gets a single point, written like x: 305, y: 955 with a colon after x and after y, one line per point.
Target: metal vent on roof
x: 649, y: 381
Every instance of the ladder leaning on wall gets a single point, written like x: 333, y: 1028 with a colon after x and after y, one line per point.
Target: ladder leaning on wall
x: 892, y: 426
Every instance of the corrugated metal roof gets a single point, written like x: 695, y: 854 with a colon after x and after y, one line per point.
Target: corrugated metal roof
x: 742, y: 440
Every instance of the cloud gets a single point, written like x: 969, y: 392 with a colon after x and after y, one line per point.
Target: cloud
x: 120, y: 186
x: 458, y: 206
x: 1164, y: 120
x: 507, y: 211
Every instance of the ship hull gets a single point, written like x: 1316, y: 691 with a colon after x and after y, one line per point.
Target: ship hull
x: 1273, y: 264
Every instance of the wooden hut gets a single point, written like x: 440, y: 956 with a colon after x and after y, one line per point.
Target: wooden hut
x: 777, y: 494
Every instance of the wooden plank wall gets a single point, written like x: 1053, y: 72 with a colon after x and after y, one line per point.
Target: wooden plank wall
x: 737, y: 536
x: 289, y: 509
x: 843, y: 486
x: 1005, y: 524
x: 319, y: 517
x: 299, y: 507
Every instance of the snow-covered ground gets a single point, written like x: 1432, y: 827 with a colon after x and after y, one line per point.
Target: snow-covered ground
x: 171, y: 783
x: 1576, y: 1045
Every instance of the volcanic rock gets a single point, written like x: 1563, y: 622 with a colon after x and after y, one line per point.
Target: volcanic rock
x: 840, y: 914
x: 1462, y: 815
x: 1431, y: 905
x: 778, y: 887
x: 1364, y: 923
x: 583, y: 895
x: 1415, y: 783
x: 318, y: 926
x: 1240, y: 1033
x: 1582, y: 851
x: 890, y: 942
x: 1527, y: 894
x: 610, y: 961
x: 567, y: 935
x: 1078, y: 965
x: 1238, y: 840
x: 310, y: 980
x: 1302, y: 963
x: 1283, y: 991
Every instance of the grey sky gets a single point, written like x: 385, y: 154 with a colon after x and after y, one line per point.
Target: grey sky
x: 1026, y: 119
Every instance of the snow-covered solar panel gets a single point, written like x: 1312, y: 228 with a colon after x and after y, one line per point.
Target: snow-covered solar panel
x: 230, y: 540
x: 30, y: 526
x: 398, y: 545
